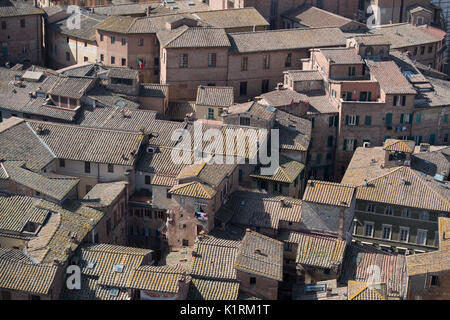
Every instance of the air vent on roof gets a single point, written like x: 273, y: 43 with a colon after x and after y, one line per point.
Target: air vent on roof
x: 121, y: 103
x: 150, y: 150
x: 119, y: 268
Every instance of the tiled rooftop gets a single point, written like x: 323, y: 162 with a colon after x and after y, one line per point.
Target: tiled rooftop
x: 287, y: 171
x: 208, y: 289
x: 233, y: 18
x: 390, y: 78
x: 342, y: 56
x: 314, y: 17
x: 104, y: 194
x: 358, y: 290
x: 329, y: 193
x: 56, y: 187
x: 214, y: 259
x: 304, y: 75
x: 357, y: 266
x: 406, y: 146
x: 260, y: 255
x: 404, y: 35
x: 283, y: 97
x: 88, y: 144
x: 287, y: 39
x: 215, y: 96
x: 315, y: 250
x: 403, y: 187
x: 20, y: 143
x: 295, y: 132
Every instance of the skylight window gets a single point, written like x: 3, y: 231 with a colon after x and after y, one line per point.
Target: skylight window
x: 91, y: 265
x: 114, y: 292
x: 119, y: 268
x: 121, y: 103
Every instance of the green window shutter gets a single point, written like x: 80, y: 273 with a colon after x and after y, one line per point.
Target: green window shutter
x: 357, y: 120
x: 336, y: 121
x: 330, y: 121
x: 388, y: 118
x: 432, y: 138
x: 346, y: 119
x: 403, y: 100
x: 345, y: 144
x: 418, y: 118
x: 395, y: 100
x: 410, y: 120
x: 369, y: 97
x: 355, y: 144
x: 401, y: 118
x: 445, y: 118
x: 368, y: 121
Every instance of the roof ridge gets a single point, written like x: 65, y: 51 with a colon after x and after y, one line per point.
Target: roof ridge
x: 383, y: 175
x: 56, y: 124
x: 283, y: 30
x: 4, y: 170
x: 177, y: 35
x: 357, y: 293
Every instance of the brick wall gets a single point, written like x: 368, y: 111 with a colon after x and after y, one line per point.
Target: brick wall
x: 22, y: 43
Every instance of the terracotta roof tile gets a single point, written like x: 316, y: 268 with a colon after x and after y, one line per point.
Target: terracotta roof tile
x: 330, y: 193
x: 260, y: 255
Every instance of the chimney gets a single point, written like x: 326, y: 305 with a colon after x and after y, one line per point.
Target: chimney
x: 365, y: 182
x: 280, y: 86
x: 341, y: 220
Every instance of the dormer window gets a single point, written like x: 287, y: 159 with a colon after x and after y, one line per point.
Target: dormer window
x: 30, y: 227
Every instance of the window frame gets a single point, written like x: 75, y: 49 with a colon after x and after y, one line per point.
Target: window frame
x: 383, y: 229
x: 184, y: 60
x: 212, y: 60
x: 372, y: 225
x: 423, y: 232
x: 400, y: 234
x: 87, y: 167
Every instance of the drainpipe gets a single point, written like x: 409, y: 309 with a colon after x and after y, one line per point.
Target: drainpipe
x: 401, y: 11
